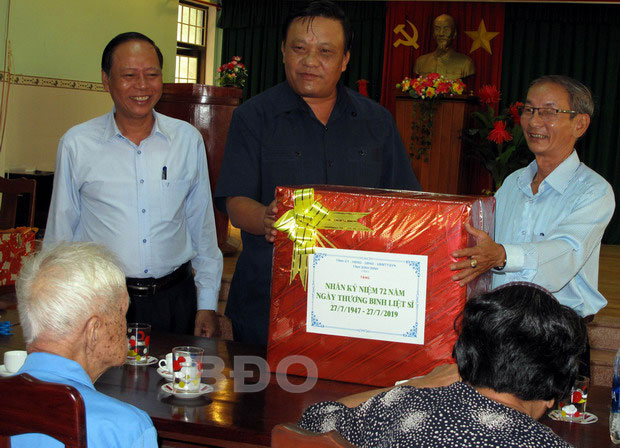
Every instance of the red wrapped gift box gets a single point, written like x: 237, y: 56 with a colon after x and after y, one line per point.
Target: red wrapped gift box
x: 15, y: 244
x: 402, y: 222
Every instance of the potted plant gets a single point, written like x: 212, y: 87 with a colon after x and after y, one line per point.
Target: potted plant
x: 498, y: 141
x: 429, y: 88
x: 233, y: 73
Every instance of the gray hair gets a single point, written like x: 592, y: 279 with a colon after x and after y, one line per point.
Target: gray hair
x: 61, y: 287
x: 579, y: 96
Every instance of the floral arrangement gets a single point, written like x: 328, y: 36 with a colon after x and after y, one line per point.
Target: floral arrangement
x: 429, y: 88
x: 499, y: 142
x: 233, y: 73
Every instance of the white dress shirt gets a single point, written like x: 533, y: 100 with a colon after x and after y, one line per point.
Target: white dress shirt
x: 553, y: 238
x: 149, y: 203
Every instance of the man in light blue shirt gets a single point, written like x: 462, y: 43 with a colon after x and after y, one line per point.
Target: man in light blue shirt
x: 550, y: 215
x: 72, y: 302
x: 136, y: 181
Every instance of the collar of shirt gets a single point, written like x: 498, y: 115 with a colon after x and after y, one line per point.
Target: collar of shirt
x: 54, y: 366
x: 111, y: 129
x: 289, y: 100
x: 559, y: 179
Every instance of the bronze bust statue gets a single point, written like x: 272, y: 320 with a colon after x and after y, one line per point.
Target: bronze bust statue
x: 444, y: 60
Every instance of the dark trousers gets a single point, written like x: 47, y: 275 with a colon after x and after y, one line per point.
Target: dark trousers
x: 170, y: 311
x: 584, y: 361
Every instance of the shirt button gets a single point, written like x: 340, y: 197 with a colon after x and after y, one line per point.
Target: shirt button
x: 330, y: 163
x: 522, y: 232
x: 139, y: 152
x: 354, y: 114
x: 143, y: 210
x: 146, y: 271
x: 144, y: 240
x: 141, y: 181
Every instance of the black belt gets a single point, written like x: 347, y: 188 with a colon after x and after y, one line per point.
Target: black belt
x: 150, y: 286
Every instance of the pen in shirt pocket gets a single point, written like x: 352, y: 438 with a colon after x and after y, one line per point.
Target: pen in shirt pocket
x: 164, y: 173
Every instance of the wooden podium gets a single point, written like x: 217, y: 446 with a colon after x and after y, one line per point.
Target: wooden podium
x: 445, y: 171
x: 210, y: 109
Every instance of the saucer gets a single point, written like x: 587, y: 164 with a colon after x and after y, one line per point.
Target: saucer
x: 168, y: 389
x: 585, y: 419
x: 4, y: 372
x: 150, y: 361
x: 164, y: 373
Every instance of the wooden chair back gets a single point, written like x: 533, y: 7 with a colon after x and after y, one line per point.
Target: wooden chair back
x: 11, y: 189
x: 30, y: 405
x: 287, y: 435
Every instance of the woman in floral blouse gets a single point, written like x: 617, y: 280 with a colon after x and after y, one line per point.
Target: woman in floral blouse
x: 517, y: 352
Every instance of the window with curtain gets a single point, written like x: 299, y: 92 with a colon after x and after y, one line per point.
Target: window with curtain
x: 191, y: 43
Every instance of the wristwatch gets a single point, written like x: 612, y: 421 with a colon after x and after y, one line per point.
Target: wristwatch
x: 499, y: 268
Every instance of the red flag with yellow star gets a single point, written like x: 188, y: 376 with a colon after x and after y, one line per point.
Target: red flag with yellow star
x: 409, y: 35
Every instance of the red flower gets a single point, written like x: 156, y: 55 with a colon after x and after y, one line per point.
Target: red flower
x: 499, y: 134
x: 444, y: 87
x: 514, y: 112
x: 488, y: 94
x: 433, y: 76
x: 577, y: 396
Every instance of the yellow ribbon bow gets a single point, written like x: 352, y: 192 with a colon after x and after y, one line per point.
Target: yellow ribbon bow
x: 302, y: 225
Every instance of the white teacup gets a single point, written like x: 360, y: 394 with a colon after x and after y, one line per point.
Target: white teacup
x: 187, y: 378
x: 166, y: 364
x: 14, y: 359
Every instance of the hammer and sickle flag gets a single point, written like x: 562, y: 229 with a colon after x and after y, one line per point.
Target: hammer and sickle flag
x: 302, y: 225
x: 409, y: 41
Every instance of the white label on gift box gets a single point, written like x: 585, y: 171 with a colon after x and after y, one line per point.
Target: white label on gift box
x: 370, y: 295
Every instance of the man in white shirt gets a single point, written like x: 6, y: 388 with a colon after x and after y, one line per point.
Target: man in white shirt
x: 136, y: 181
x: 550, y: 215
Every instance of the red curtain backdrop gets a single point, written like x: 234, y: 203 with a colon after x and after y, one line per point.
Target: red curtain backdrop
x: 399, y: 61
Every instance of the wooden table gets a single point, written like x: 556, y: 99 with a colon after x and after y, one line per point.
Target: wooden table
x: 229, y: 418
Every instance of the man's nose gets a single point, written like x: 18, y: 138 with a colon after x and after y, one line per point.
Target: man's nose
x: 312, y: 58
x: 140, y: 80
x: 536, y: 119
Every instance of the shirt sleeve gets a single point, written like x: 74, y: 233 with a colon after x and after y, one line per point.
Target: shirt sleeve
x: 240, y: 173
x: 323, y: 417
x: 208, y: 261
x: 64, y: 213
x: 397, y: 173
x: 552, y: 263
x: 376, y: 422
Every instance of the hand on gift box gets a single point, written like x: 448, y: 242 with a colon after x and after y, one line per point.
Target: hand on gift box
x: 269, y: 220
x: 253, y: 217
x: 485, y: 255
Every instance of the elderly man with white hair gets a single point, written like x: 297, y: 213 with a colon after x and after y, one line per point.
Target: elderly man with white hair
x: 72, y: 302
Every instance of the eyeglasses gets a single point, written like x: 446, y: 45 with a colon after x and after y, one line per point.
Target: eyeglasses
x: 545, y: 113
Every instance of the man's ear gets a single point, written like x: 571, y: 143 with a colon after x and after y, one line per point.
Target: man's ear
x: 345, y: 61
x: 92, y: 333
x: 580, y: 125
x: 105, y: 80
